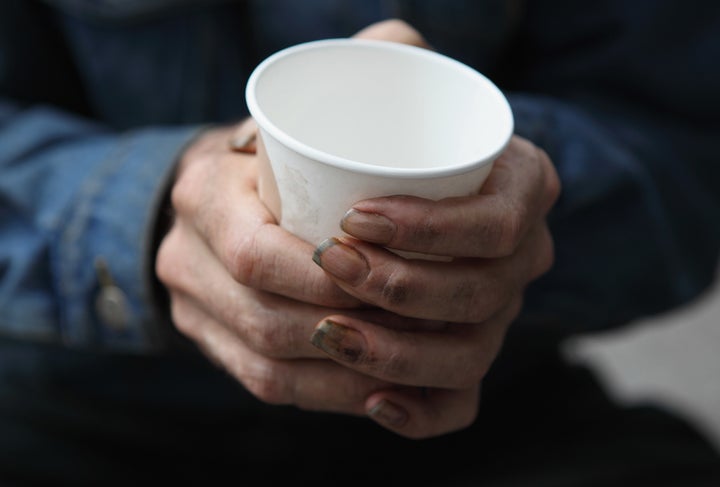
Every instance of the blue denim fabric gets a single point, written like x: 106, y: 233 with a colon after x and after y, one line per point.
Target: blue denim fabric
x: 97, y: 99
x: 72, y: 192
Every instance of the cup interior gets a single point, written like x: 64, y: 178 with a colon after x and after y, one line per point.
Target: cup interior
x: 376, y: 104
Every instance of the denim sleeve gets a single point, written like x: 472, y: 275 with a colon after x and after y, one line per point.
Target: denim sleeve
x: 73, y: 193
x: 636, y: 227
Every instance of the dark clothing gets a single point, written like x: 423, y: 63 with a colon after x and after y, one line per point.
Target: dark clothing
x: 83, y: 418
x: 98, y: 98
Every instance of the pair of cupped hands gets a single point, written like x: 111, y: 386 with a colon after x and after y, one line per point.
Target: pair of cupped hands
x: 350, y: 327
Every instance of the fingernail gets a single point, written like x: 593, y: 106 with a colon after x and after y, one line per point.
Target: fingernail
x: 389, y: 413
x: 342, y: 261
x: 339, y: 341
x: 371, y: 227
x: 243, y: 143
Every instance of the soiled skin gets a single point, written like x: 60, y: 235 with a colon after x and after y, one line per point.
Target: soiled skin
x: 356, y: 329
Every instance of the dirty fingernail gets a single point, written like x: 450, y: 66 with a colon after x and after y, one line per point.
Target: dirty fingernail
x: 342, y: 261
x: 243, y: 143
x: 339, y: 341
x: 388, y: 413
x: 371, y: 227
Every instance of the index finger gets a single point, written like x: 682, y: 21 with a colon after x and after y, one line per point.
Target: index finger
x: 521, y: 188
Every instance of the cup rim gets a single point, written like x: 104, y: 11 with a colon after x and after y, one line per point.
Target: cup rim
x: 265, y: 124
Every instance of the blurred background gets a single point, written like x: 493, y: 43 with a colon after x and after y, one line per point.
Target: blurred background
x: 673, y: 360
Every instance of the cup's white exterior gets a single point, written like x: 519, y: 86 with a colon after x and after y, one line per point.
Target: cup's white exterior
x: 345, y: 120
x: 314, y: 196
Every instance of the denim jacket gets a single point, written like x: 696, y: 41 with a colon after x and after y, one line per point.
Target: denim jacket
x: 98, y: 98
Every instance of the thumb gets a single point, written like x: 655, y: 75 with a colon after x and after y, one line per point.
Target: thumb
x: 393, y: 30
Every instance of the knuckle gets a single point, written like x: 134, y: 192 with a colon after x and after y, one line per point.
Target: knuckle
x: 396, y: 30
x: 163, y: 269
x: 396, y: 366
x: 355, y: 389
x: 465, y: 293
x: 183, y: 195
x: 477, y: 313
x: 179, y: 319
x: 484, y: 236
x: 396, y: 290
x: 471, y: 370
x: 165, y: 262
x: 474, y: 303
x: 397, y: 24
x: 243, y: 256
x: 184, y: 319
x: 499, y: 236
x: 427, y: 231
x: 548, y: 259
x: 269, y: 387
x: 240, y: 256
x: 546, y: 255
x: 542, y: 155
x: 553, y: 183
x: 186, y: 327
x: 267, y: 339
x: 178, y: 194
x: 510, y: 232
x: 359, y: 388
x: 485, y: 300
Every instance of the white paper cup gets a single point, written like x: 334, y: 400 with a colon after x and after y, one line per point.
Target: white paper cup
x: 344, y: 120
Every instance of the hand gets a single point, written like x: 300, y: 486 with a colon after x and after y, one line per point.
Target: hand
x: 393, y: 30
x: 248, y: 294
x: 243, y: 289
x: 500, y: 242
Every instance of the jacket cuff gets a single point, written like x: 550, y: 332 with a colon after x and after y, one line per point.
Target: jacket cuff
x: 107, y: 251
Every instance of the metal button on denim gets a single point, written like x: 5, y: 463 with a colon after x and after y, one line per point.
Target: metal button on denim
x: 111, y: 303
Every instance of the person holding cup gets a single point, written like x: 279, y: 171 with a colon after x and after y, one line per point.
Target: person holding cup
x: 410, y: 341
x: 342, y: 325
